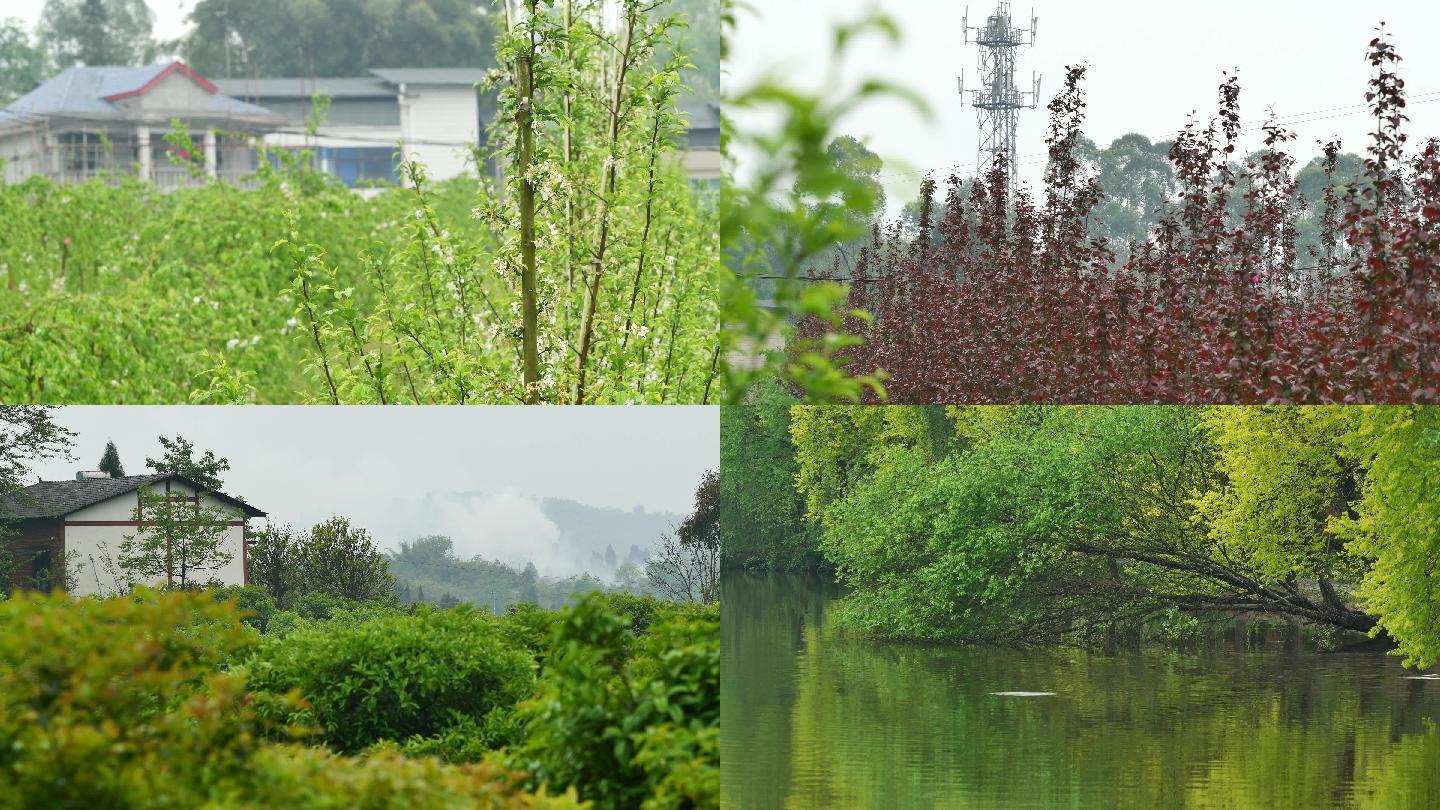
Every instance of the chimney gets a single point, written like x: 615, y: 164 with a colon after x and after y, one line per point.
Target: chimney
x: 91, y: 475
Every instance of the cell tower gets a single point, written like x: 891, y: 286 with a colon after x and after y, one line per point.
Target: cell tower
x: 998, y: 101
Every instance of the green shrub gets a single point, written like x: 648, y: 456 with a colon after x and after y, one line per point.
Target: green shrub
x: 640, y: 610
x: 628, y: 721
x: 117, y: 702
x: 530, y: 626
x: 290, y: 776
x: 319, y: 606
x: 324, y: 609
x: 390, y: 676
x: 253, y: 604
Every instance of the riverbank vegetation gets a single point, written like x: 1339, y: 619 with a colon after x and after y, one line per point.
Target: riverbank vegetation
x: 1040, y: 524
x: 586, y: 275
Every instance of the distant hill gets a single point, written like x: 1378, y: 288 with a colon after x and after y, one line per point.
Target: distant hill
x: 589, y: 532
x: 561, y: 537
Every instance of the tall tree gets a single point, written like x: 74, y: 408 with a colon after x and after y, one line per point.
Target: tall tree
x: 257, y: 38
x: 763, y: 522
x: 1396, y: 525
x: 97, y: 32
x: 178, y: 538
x: 687, y: 567
x: 528, y: 578
x: 275, y: 560
x: 702, y: 526
x: 180, y: 459
x: 23, y: 63
x: 341, y: 559
x: 110, y: 462
x: 27, y: 434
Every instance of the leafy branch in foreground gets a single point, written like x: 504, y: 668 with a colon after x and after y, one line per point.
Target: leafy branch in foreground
x: 794, y: 204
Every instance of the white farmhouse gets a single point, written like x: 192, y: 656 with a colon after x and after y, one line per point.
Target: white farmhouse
x: 99, y: 122
x: 93, y: 121
x: 84, y: 521
x: 434, y: 116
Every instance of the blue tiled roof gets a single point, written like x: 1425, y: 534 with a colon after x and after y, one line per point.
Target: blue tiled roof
x: 81, y: 91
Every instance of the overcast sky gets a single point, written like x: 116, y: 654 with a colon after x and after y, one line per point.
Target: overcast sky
x: 302, y: 464
x: 1151, y: 64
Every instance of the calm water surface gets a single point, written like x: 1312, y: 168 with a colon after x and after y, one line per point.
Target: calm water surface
x: 811, y: 719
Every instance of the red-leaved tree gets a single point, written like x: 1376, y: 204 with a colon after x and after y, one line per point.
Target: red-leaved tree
x: 982, y: 303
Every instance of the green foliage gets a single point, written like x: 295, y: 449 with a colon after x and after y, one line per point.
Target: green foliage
x: 252, y: 603
x: 601, y: 235
x: 180, y: 459
x: 798, y: 201
x: 1397, y: 525
x: 307, y: 777
x: 1288, y: 473
x: 762, y: 513
x: 391, y: 677
x: 335, y: 37
x: 341, y: 560
x: 23, y: 63
x: 333, y: 565
x: 176, y: 540
x: 629, y: 721
x: 300, y: 291
x: 273, y: 560
x: 317, y: 609
x: 169, y: 700
x: 117, y: 702
x: 1034, y: 524
x: 530, y: 626
x: 97, y: 32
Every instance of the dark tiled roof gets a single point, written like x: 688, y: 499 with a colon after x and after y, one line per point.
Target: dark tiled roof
x: 53, y: 499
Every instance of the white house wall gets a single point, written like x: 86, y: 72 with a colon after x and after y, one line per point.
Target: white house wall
x: 448, y: 119
x: 21, y: 153
x: 337, y: 138
x: 93, y: 548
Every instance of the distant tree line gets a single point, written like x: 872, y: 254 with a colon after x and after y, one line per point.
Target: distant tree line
x: 427, y: 570
x: 266, y: 38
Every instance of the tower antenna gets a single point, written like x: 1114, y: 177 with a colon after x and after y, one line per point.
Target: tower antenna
x: 998, y: 101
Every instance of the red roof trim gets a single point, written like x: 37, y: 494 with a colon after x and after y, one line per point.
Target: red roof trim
x: 174, y: 66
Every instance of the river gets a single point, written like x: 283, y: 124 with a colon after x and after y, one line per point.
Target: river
x: 813, y: 719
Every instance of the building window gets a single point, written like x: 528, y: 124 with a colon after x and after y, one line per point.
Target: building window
x: 41, y: 566
x: 360, y: 166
